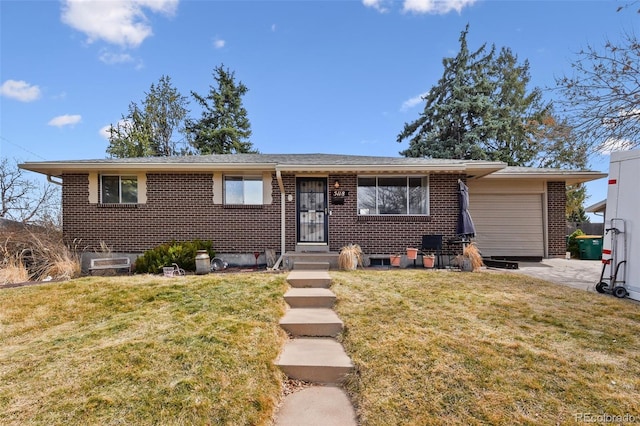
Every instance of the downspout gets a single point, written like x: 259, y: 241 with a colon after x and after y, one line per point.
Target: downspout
x: 50, y: 180
x: 282, y: 219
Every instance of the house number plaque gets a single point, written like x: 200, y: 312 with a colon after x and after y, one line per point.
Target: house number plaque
x: 337, y: 196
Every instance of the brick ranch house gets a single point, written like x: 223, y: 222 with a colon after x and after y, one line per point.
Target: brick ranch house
x: 293, y: 203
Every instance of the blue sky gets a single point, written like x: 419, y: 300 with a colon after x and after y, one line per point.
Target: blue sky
x: 323, y: 76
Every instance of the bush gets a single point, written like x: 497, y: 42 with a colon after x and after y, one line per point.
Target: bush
x: 572, y: 243
x: 182, y: 253
x: 35, y: 253
x: 350, y: 257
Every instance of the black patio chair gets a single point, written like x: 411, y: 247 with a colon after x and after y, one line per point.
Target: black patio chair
x: 433, y: 244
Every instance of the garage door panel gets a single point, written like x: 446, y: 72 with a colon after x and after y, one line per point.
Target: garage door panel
x: 527, y: 210
x: 499, y: 235
x: 500, y: 216
x: 508, y: 224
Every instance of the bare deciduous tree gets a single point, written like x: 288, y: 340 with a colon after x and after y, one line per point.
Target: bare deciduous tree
x: 25, y: 200
x: 602, y: 97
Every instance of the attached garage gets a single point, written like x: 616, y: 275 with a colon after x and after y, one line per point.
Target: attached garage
x: 519, y: 212
x: 509, y: 225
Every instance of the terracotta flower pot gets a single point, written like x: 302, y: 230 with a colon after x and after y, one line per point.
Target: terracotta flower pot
x: 395, y: 260
x: 412, y: 253
x: 428, y: 261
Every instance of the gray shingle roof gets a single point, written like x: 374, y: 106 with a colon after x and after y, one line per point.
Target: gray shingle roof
x: 284, y: 159
x: 306, y: 163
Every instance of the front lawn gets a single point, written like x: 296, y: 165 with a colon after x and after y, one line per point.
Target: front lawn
x: 430, y: 347
x: 142, y: 350
x: 452, y: 348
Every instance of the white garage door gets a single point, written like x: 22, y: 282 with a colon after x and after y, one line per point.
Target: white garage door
x: 508, y: 224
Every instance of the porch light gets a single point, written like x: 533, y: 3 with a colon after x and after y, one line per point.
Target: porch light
x: 336, y: 185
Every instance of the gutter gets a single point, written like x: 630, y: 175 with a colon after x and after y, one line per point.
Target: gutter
x: 50, y: 180
x: 282, y: 220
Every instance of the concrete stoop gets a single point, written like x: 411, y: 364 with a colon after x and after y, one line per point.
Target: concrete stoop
x: 311, y: 266
x: 313, y: 355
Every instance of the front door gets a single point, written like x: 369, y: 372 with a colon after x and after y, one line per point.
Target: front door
x: 312, y: 210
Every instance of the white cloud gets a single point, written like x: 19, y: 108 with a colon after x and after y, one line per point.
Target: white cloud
x: 65, y: 120
x: 115, y: 58
x: 612, y: 145
x: 105, y: 130
x: 20, y: 90
x: 436, y: 7
x: 219, y: 43
x: 410, y: 103
x: 378, y: 5
x: 120, y: 22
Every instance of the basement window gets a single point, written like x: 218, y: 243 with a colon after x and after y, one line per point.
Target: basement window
x: 118, y: 189
x: 243, y: 190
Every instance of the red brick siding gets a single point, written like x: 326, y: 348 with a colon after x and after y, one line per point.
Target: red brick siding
x: 391, y: 234
x: 180, y: 207
x: 557, y: 224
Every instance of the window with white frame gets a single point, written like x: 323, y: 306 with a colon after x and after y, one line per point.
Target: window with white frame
x: 118, y: 189
x: 243, y: 190
x: 393, y: 195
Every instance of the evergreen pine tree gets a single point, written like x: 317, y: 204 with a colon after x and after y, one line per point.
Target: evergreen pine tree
x: 224, y: 127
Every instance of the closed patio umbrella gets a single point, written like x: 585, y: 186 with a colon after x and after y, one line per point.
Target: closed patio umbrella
x: 465, y: 223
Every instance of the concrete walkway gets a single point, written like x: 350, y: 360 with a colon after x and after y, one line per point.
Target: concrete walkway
x: 574, y: 273
x: 326, y: 404
x: 313, y: 355
x: 317, y: 406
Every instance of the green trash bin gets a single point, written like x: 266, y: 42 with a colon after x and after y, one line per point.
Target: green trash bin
x: 590, y: 247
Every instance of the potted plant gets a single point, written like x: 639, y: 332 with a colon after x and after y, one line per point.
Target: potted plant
x: 350, y: 257
x: 428, y: 260
x: 471, y: 258
x: 412, y: 253
x: 395, y: 259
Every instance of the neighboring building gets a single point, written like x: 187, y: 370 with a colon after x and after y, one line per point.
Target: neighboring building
x: 248, y: 203
x: 598, y: 208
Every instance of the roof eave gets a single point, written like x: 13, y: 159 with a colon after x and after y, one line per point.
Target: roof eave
x: 58, y: 169
x: 474, y: 170
x: 569, y: 177
x: 598, y: 207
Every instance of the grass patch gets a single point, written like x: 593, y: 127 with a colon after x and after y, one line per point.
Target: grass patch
x: 435, y: 347
x: 142, y: 350
x: 430, y: 347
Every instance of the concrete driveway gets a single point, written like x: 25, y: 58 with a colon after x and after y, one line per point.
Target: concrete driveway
x: 575, y: 273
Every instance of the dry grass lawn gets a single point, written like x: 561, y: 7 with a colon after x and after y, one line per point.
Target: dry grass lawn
x: 142, y: 350
x: 430, y: 348
x: 452, y: 348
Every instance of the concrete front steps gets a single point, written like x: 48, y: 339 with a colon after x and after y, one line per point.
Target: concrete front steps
x: 313, y: 355
x: 310, y: 298
x: 309, y: 279
x: 315, y: 360
x: 320, y: 322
